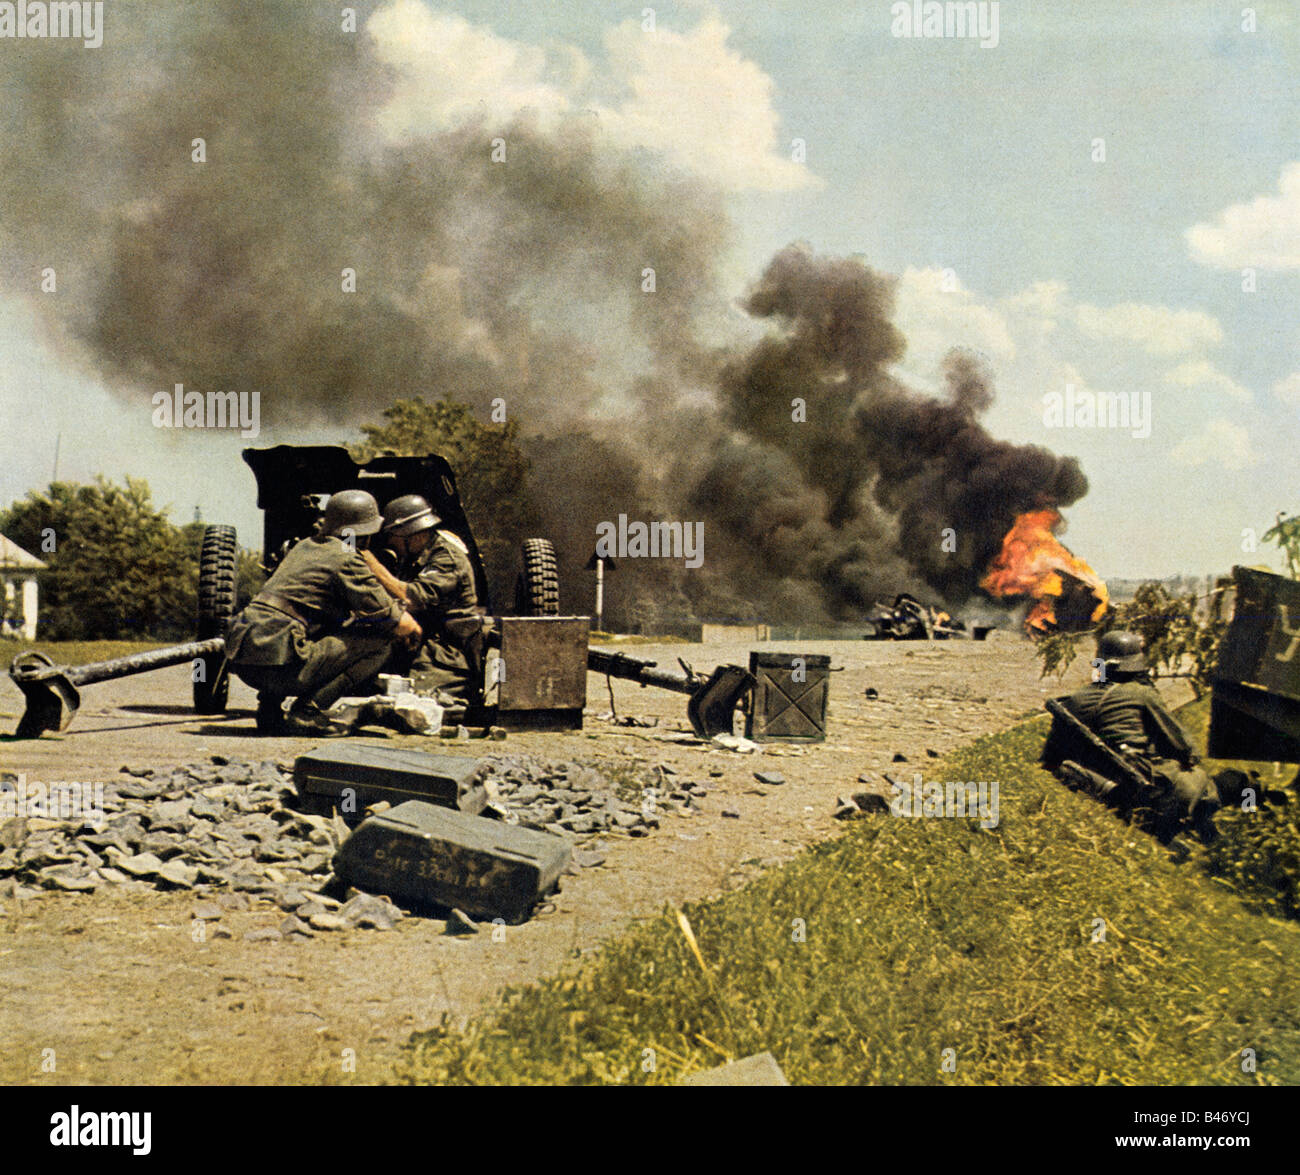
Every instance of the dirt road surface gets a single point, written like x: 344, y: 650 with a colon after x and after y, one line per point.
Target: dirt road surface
x: 117, y: 987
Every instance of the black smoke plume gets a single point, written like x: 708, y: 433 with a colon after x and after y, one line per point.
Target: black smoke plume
x: 477, y: 279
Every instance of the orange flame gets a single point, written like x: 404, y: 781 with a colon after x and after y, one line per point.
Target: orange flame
x: 1033, y: 563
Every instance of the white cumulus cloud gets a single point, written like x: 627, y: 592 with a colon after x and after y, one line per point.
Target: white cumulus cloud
x: 702, y: 104
x: 1156, y: 329
x: 689, y: 97
x: 1288, y: 390
x: 449, y: 70
x: 936, y: 313
x: 1263, y: 234
x: 1201, y: 373
x: 1220, y: 441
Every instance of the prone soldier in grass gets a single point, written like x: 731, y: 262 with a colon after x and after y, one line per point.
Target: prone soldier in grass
x: 428, y: 570
x: 1124, y: 710
x: 323, y: 624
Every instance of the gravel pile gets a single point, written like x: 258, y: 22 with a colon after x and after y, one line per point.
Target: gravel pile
x: 227, y: 827
x: 214, y: 825
x: 579, y: 802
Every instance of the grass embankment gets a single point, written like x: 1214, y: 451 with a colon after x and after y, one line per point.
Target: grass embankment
x: 1059, y: 947
x: 78, y: 652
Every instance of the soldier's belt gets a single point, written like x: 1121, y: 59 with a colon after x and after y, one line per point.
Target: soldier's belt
x: 278, y: 603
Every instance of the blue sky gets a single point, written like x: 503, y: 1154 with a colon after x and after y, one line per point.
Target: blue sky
x: 968, y: 172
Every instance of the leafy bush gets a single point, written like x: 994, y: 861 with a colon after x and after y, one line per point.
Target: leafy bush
x: 1178, y: 640
x: 1257, y: 852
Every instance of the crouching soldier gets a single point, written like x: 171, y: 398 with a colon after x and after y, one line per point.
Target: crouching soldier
x: 1126, y: 713
x: 429, y: 572
x: 321, y: 626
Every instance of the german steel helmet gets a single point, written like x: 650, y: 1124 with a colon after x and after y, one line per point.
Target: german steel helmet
x: 408, y: 515
x: 351, y: 510
x: 1122, y: 650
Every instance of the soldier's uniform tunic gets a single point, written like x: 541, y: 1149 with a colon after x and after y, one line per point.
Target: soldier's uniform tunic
x: 290, y: 640
x: 440, y: 594
x: 1130, y: 716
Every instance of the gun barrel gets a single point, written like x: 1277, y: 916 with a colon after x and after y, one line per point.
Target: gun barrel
x: 51, y: 690
x: 639, y: 670
x: 143, y: 662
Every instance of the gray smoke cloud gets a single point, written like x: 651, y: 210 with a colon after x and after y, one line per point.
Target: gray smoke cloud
x: 477, y: 280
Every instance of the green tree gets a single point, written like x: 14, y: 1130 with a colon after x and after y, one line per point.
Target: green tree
x: 1285, y: 533
x: 118, y: 567
x: 490, y: 467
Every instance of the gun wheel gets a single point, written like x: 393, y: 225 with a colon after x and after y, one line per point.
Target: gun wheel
x: 537, y: 592
x: 217, y: 566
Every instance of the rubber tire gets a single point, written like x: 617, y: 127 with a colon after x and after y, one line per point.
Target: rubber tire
x: 538, y: 588
x: 218, y: 560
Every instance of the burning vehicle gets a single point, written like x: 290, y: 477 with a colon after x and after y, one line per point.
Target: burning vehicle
x: 910, y: 620
x: 1030, y: 568
x: 1033, y: 565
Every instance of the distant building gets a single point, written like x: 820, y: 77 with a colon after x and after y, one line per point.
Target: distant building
x: 19, y: 596
x: 712, y: 630
x: 734, y: 631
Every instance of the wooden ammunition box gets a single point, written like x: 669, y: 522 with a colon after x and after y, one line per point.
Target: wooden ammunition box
x: 350, y: 778
x: 431, y: 856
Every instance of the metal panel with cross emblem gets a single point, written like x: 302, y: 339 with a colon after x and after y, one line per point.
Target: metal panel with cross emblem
x: 1255, y: 704
x: 789, y: 699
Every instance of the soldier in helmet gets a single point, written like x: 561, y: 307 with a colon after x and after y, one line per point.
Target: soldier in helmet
x: 291, y: 640
x: 1124, y: 710
x: 428, y: 570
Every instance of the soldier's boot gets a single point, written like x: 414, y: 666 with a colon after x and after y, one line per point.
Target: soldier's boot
x: 308, y: 720
x: 270, y: 712
x: 1199, y: 800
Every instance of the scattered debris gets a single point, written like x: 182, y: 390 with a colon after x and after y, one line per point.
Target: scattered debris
x: 875, y: 798
x: 734, y: 742
x: 224, y: 830
x: 871, y: 801
x: 907, y: 619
